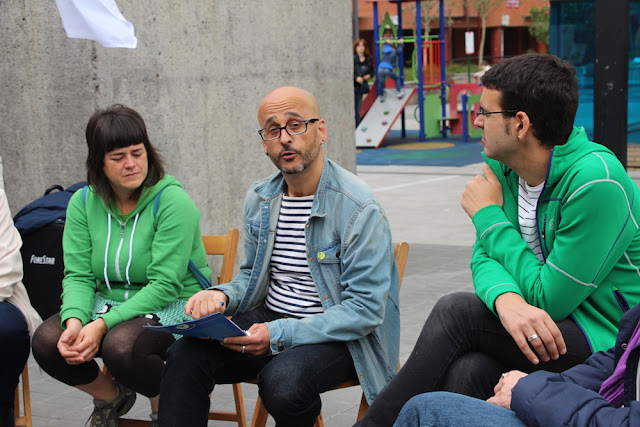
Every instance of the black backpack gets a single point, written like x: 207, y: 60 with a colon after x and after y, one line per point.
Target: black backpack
x: 41, y: 224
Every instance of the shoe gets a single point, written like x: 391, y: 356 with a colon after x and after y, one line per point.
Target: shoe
x: 400, y: 94
x: 107, y: 412
x: 382, y: 99
x: 154, y: 419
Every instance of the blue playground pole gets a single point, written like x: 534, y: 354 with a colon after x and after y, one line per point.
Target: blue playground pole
x: 376, y: 45
x: 401, y: 65
x: 443, y: 71
x: 420, y: 65
x: 465, y: 120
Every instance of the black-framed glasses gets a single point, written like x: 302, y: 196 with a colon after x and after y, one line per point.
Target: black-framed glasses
x: 481, y: 112
x: 293, y: 128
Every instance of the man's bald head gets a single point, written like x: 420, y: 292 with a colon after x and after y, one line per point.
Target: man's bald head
x: 289, y: 98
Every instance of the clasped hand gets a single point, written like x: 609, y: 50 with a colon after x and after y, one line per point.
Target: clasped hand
x: 503, y: 389
x: 481, y: 191
x: 208, y: 302
x: 79, y: 344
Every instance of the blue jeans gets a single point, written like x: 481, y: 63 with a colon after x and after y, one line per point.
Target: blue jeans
x: 14, y: 339
x: 383, y: 75
x: 444, y: 409
x: 289, y: 383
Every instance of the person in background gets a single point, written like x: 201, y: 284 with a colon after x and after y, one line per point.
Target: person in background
x: 389, y: 58
x: 127, y: 243
x: 484, y: 67
x: 18, y: 319
x: 557, y: 253
x: 362, y: 71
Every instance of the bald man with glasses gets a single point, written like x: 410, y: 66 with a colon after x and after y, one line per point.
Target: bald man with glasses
x: 317, y: 289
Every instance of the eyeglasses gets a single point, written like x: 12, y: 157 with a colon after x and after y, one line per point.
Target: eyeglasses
x: 480, y: 112
x: 293, y: 128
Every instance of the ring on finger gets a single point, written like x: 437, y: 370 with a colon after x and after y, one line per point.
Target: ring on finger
x: 243, y: 347
x: 533, y: 337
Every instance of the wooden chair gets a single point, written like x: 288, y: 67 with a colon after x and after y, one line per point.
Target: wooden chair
x: 23, y: 420
x: 227, y: 246
x: 260, y: 414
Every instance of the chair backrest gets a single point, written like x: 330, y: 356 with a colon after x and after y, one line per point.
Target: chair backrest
x: 401, y: 253
x: 227, y: 246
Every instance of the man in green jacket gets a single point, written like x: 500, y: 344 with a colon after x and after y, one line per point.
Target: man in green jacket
x: 557, y: 255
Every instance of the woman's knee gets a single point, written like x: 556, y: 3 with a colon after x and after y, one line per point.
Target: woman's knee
x: 45, y: 339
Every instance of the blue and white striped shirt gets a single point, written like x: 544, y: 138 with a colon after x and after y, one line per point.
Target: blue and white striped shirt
x: 291, y: 289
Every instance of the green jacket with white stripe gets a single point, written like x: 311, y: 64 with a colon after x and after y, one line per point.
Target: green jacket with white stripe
x: 588, y: 220
x: 140, y: 259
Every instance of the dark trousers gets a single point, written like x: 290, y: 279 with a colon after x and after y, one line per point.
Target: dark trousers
x: 14, y: 352
x: 358, y: 100
x: 289, y: 383
x: 463, y: 348
x: 133, y: 354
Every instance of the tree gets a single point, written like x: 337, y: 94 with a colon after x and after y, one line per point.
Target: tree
x: 483, y: 7
x: 539, y: 27
x: 429, y: 14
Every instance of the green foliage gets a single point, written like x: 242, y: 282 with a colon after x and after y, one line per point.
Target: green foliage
x: 539, y: 27
x: 458, y: 68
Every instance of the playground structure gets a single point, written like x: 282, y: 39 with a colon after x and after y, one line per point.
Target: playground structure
x: 442, y: 108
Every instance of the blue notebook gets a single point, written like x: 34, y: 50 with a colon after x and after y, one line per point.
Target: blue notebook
x: 216, y: 326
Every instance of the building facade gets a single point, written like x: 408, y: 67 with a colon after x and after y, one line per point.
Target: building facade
x: 507, y: 25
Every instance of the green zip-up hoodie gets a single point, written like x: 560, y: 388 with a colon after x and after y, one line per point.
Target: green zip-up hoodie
x: 587, y: 217
x: 138, y: 258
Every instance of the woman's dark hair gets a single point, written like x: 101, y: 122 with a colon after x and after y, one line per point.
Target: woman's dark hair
x: 543, y: 86
x: 116, y: 127
x: 364, y: 43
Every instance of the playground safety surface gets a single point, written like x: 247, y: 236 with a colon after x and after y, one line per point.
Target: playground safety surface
x: 396, y: 150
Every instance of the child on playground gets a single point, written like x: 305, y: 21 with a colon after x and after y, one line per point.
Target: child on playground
x: 388, y: 59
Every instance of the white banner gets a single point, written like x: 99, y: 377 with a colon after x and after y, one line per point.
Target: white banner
x: 98, y: 20
x: 469, y: 43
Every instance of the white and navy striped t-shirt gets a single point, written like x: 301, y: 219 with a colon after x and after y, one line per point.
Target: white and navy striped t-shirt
x: 527, y: 201
x: 291, y: 289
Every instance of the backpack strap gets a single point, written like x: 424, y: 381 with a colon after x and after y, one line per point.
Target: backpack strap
x: 156, y: 202
x: 204, y: 281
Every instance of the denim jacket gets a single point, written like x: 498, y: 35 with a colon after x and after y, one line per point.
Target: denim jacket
x: 350, y: 256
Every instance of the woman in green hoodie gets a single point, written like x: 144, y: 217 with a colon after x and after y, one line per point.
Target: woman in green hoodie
x: 127, y: 244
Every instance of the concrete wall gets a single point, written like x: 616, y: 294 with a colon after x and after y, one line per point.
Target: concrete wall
x: 197, y: 77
